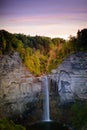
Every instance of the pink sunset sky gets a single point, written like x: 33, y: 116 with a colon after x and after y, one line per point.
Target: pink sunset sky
x: 53, y: 18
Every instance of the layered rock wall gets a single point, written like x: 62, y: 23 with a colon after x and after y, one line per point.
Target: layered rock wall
x: 71, y: 78
x: 17, y: 85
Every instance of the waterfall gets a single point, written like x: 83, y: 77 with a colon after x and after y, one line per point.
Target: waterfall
x: 46, y: 113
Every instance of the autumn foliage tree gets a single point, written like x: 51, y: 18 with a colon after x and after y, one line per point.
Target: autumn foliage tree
x: 42, y: 54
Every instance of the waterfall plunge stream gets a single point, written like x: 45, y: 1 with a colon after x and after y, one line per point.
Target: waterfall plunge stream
x: 46, y: 108
x: 47, y: 124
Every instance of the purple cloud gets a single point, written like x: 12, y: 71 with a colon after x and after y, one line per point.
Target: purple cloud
x: 59, y: 13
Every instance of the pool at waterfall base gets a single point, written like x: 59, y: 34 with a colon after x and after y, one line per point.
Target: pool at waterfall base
x: 48, y: 125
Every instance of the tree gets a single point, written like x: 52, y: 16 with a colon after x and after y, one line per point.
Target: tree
x: 82, y: 39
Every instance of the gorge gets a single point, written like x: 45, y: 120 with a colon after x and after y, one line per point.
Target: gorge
x: 18, y: 86
x: 29, y: 65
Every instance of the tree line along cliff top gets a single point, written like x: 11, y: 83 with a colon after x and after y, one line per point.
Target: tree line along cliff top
x: 41, y: 54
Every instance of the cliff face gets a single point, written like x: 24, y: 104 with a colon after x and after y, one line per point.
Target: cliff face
x: 17, y: 85
x: 71, y: 78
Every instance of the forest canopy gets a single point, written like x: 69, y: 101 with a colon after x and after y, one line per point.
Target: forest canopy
x: 39, y: 53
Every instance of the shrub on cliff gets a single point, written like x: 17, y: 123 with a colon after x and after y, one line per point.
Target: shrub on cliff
x: 79, y: 115
x: 5, y: 124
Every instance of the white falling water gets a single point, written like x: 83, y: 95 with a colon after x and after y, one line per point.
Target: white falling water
x: 46, y: 115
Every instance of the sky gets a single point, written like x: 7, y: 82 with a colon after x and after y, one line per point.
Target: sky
x: 52, y: 18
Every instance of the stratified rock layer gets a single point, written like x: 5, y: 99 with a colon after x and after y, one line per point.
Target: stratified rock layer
x: 17, y: 85
x: 71, y: 78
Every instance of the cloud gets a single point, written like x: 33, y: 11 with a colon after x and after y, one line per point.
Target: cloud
x: 48, y: 19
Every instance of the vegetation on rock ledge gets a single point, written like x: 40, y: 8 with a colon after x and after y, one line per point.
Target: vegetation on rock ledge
x: 6, y: 124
